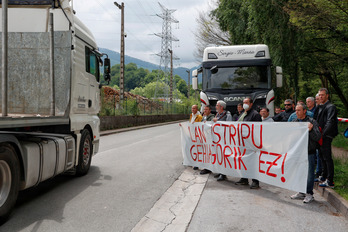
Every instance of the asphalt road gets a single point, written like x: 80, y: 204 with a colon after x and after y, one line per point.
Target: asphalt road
x: 130, y: 184
x: 129, y: 174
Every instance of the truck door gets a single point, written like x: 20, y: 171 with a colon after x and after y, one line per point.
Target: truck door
x: 92, y: 62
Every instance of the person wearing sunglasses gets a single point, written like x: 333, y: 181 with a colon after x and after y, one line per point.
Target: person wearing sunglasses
x: 284, y: 116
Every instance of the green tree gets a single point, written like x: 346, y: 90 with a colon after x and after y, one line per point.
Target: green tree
x: 149, y: 90
x: 181, y: 85
x: 253, y: 22
x: 324, y: 25
x: 308, y: 38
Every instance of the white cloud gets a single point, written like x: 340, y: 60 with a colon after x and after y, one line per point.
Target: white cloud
x: 103, y: 18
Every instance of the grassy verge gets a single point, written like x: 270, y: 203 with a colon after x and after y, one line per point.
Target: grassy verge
x: 340, y: 140
x: 341, y: 173
x: 341, y: 162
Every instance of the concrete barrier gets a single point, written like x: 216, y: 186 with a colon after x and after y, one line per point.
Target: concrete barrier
x: 116, y: 122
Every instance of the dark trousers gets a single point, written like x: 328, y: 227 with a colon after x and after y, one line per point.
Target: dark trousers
x: 326, y: 159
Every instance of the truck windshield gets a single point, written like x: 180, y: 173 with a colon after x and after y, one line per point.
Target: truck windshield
x: 236, y: 77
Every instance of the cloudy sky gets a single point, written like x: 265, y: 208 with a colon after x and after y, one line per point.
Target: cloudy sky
x: 141, y: 23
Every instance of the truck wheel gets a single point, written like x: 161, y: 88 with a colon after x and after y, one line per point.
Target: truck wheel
x: 9, y: 180
x: 85, y: 154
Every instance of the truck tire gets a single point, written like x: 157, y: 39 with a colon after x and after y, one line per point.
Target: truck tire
x: 85, y: 153
x: 9, y: 180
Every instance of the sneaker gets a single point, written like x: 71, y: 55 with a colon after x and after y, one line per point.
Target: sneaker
x: 242, y: 181
x: 298, y: 196
x: 221, y: 177
x: 319, y: 179
x: 255, y: 185
x: 217, y: 175
x: 327, y: 183
x: 195, y: 168
x: 308, y: 198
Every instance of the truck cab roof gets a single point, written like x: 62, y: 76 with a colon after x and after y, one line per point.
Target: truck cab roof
x: 240, y: 52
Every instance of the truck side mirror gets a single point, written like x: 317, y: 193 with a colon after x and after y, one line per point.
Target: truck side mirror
x: 194, y: 73
x: 194, y: 83
x: 279, y: 74
x: 107, y: 77
x: 214, y: 69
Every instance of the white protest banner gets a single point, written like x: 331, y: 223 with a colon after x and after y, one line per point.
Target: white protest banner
x: 274, y: 153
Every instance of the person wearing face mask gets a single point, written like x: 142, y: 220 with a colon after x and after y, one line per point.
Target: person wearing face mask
x: 249, y: 115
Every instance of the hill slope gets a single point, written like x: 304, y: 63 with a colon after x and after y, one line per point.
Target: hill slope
x: 115, y: 59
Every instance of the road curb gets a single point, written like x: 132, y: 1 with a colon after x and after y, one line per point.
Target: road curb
x: 340, y: 204
x: 109, y: 132
x: 174, y: 210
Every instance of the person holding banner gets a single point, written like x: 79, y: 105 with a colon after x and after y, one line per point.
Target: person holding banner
x: 249, y: 115
x: 194, y: 117
x: 221, y: 115
x: 207, y: 116
x: 313, y: 138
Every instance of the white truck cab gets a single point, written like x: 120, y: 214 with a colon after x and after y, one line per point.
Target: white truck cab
x: 50, y: 124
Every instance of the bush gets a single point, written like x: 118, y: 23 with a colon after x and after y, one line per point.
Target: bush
x: 340, y: 140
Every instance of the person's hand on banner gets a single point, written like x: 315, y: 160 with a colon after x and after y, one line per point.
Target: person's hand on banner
x: 310, y: 126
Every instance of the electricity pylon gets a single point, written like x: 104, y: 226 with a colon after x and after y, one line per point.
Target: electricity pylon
x: 166, y: 46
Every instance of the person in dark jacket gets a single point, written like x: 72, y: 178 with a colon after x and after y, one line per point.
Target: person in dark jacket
x: 207, y: 115
x: 313, y: 138
x: 249, y: 115
x: 319, y: 168
x: 239, y: 112
x: 327, y: 119
x: 284, y: 116
x: 277, y: 110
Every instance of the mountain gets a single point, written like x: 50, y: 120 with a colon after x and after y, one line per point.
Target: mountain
x: 115, y: 59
